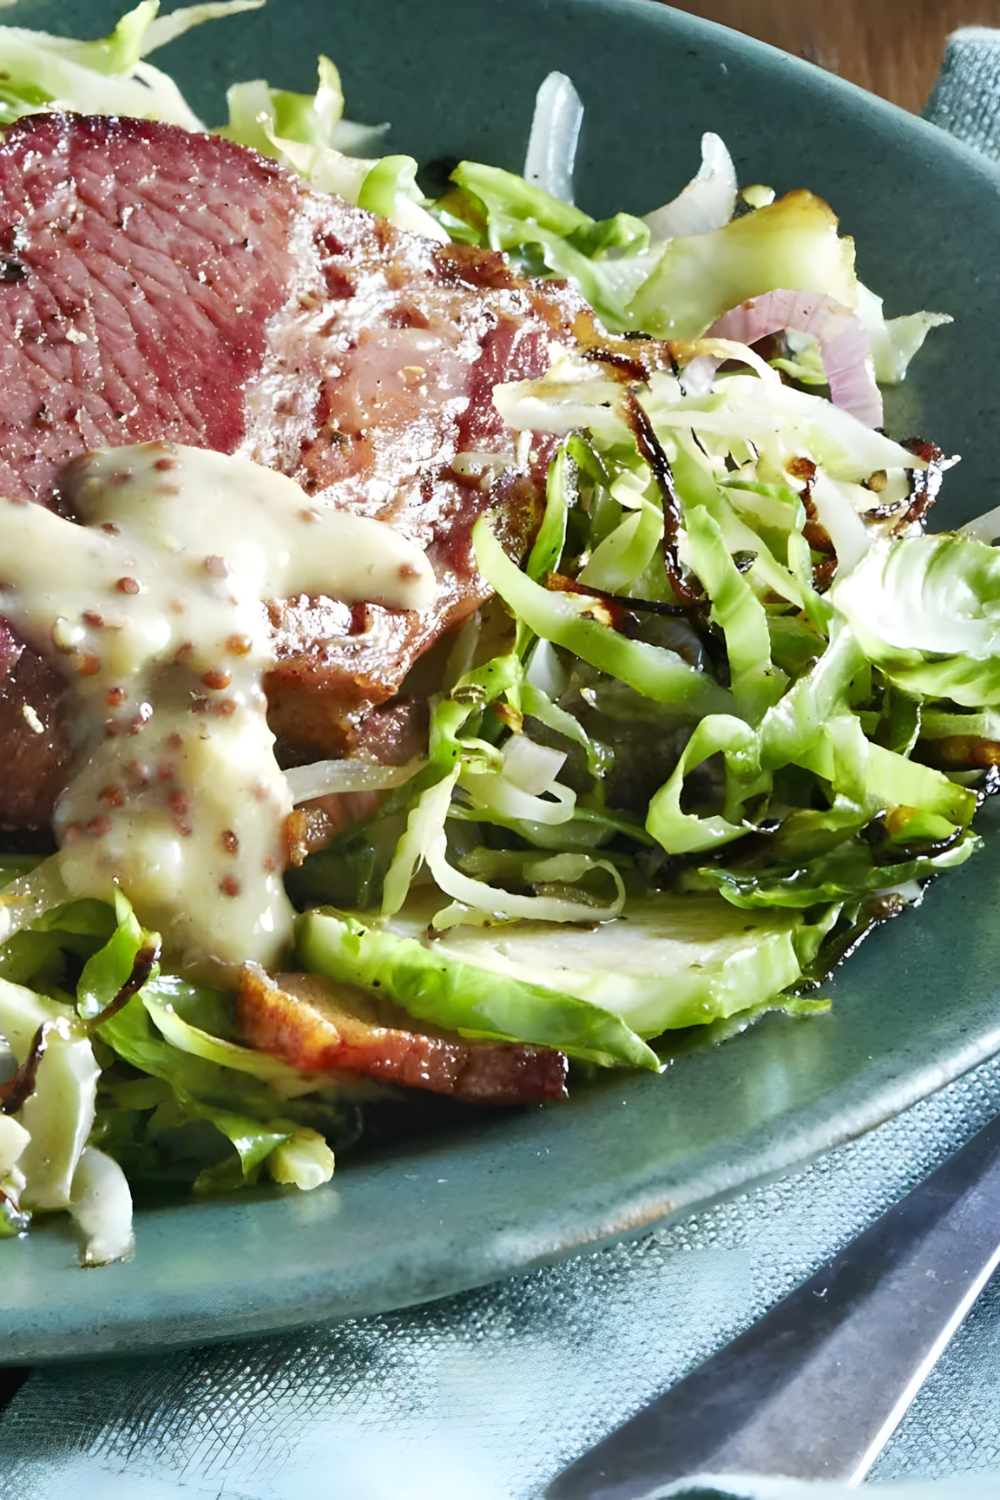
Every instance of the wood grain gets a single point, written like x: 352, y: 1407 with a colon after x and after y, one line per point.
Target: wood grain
x: 892, y: 47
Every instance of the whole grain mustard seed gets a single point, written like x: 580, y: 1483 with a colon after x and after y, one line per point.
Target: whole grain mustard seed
x: 171, y: 556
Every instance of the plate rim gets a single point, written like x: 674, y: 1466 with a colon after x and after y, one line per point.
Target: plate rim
x: 641, y: 1212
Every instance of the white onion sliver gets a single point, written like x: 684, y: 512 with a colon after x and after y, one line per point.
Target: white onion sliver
x: 850, y: 536
x: 531, y: 767
x: 722, y: 347
x: 984, y: 528
x: 706, y: 203
x: 58, y: 1116
x: 894, y: 341
x: 325, y: 776
x: 306, y: 1160
x: 493, y: 793
x: 512, y: 905
x: 352, y: 139
x: 699, y: 375
x: 166, y: 29
x: 841, y: 336
x: 546, y: 672
x: 13, y: 1139
x: 555, y: 130
x: 102, y: 1206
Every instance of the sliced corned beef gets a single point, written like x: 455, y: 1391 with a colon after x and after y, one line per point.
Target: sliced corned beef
x: 143, y: 265
x: 159, y: 284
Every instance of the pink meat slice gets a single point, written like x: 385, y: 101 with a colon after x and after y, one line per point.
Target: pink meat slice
x: 160, y: 284
x: 142, y: 266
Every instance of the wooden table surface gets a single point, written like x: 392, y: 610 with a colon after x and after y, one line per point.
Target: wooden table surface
x: 893, y: 47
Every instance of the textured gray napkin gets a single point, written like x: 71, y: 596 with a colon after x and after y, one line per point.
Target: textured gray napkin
x: 965, y: 99
x: 486, y: 1396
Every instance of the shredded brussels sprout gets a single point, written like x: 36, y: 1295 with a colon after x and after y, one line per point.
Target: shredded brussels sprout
x: 723, y: 728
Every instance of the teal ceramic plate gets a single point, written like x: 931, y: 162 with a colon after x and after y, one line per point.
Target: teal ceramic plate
x: 918, y: 1005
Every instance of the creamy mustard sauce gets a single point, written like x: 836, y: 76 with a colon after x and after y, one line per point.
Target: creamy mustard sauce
x: 153, y: 607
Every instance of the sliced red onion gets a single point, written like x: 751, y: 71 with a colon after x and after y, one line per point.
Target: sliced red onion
x: 841, y: 336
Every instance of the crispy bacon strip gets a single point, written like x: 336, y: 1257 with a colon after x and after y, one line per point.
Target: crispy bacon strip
x: 315, y: 1025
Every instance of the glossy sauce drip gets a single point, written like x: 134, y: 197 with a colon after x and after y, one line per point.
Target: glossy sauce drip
x: 153, y: 607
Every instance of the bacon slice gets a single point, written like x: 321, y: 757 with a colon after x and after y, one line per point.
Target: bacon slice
x: 317, y: 1025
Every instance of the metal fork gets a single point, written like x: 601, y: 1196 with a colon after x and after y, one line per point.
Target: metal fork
x: 817, y: 1386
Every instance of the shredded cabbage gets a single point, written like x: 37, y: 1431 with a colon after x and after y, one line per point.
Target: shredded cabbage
x: 105, y: 77
x: 722, y: 717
